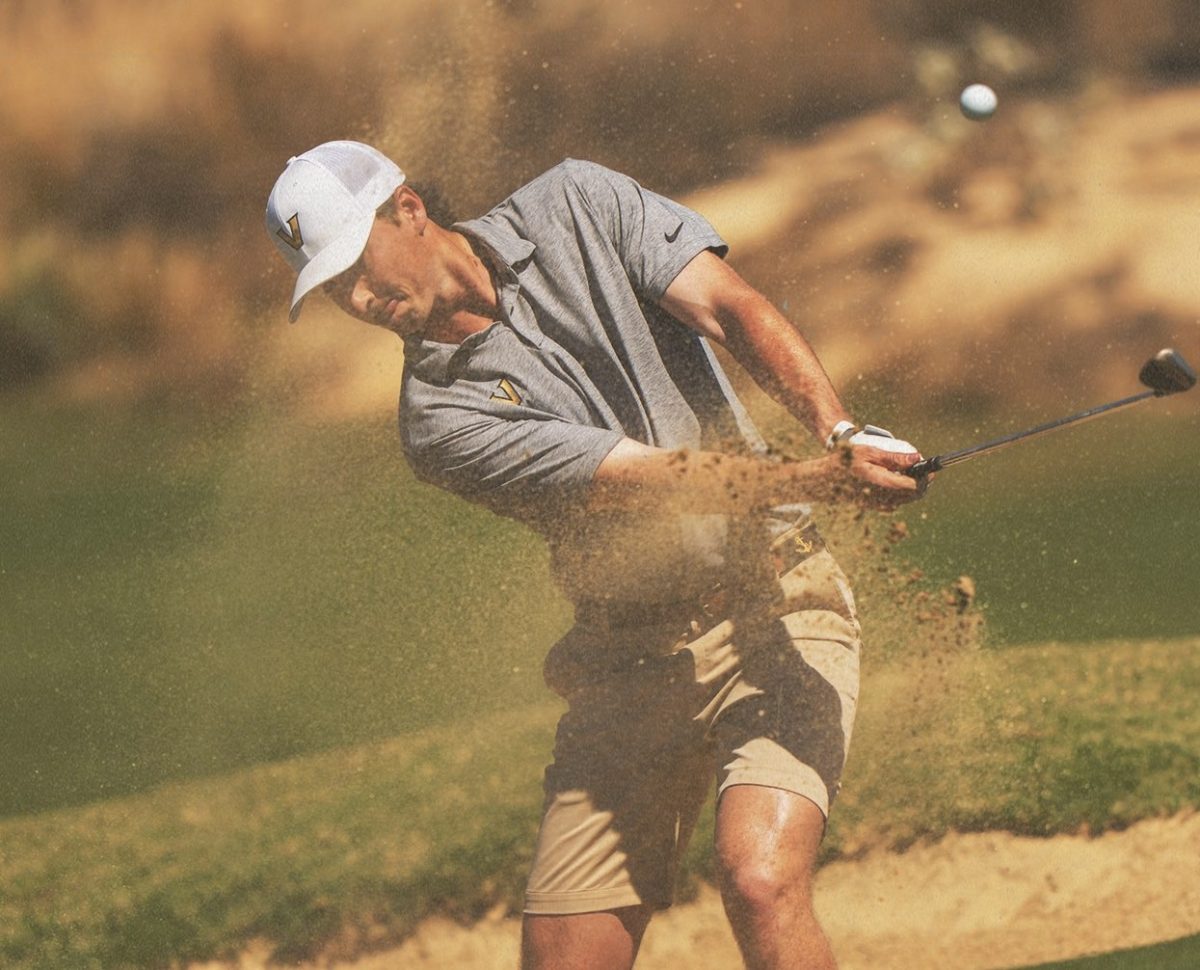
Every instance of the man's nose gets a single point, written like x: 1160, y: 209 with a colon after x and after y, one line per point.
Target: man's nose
x: 362, y: 296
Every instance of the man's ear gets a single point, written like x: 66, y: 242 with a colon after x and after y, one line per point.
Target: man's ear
x: 410, y: 207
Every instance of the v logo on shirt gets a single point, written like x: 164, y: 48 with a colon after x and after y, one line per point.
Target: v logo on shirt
x: 506, y: 392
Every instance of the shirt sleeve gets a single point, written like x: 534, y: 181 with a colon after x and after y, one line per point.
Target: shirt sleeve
x: 528, y: 469
x: 655, y: 237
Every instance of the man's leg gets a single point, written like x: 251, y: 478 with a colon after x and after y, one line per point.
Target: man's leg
x: 767, y: 841
x: 588, y: 941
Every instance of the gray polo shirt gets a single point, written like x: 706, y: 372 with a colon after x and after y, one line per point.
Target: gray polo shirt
x: 519, y: 416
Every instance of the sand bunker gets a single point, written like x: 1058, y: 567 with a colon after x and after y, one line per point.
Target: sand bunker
x: 971, y: 902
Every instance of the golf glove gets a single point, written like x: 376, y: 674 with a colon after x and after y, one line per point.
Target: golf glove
x: 869, y: 436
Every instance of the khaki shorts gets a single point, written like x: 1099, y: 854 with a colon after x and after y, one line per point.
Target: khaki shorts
x: 764, y: 697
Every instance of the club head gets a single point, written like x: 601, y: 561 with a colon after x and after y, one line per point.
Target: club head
x: 1167, y: 373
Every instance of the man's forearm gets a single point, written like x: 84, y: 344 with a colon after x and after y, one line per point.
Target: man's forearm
x: 781, y: 362
x: 636, y: 477
x: 713, y: 300
x: 639, y: 478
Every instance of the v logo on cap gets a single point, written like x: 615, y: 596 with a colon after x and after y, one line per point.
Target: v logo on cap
x: 292, y: 236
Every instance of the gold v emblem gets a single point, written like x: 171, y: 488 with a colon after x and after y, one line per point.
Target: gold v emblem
x: 506, y: 392
x: 292, y: 236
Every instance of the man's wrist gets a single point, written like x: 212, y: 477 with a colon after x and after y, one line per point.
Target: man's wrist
x: 842, y: 431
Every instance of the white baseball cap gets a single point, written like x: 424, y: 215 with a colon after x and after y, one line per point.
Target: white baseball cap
x: 321, y: 210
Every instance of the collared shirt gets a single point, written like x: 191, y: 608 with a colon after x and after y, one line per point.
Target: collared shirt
x: 519, y: 416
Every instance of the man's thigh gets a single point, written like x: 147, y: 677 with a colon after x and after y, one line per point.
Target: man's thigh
x: 786, y: 720
x: 588, y: 941
x: 769, y: 830
x: 631, y: 771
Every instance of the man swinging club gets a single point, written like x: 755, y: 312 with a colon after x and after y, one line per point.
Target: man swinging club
x: 558, y: 369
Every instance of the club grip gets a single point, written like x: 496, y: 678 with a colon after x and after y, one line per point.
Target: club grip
x: 926, y: 466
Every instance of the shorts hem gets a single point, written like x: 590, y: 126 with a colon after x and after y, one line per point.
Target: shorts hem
x: 806, y: 783
x: 586, y: 901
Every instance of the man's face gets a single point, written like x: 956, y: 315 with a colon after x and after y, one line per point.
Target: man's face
x: 392, y: 284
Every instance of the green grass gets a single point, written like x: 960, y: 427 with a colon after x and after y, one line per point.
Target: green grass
x: 348, y: 849
x: 356, y: 844
x: 1034, y: 740
x: 181, y: 599
x: 1177, y: 955
x: 1089, y: 533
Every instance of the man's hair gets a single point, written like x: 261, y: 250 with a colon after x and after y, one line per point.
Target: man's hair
x: 436, y: 206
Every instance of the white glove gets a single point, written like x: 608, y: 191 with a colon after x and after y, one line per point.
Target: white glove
x: 882, y: 439
x: 869, y: 436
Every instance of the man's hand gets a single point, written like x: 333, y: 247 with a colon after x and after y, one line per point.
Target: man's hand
x: 873, y: 477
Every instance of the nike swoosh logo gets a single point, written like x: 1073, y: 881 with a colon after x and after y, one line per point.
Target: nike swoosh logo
x: 672, y: 236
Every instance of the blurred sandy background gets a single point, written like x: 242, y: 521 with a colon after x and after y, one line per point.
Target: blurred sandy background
x: 938, y: 263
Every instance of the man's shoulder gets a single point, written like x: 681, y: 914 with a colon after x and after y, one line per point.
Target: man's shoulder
x: 579, y: 170
x: 552, y: 202
x: 571, y: 176
x: 582, y: 171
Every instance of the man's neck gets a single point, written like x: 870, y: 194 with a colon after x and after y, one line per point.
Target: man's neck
x: 473, y: 306
x: 457, y: 327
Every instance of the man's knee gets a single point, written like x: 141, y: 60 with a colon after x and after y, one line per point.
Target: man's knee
x: 767, y: 843
x: 759, y: 884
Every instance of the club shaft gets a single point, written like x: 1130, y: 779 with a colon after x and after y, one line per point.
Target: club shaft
x: 950, y: 458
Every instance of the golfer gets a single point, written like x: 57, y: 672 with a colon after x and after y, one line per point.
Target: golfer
x: 558, y: 369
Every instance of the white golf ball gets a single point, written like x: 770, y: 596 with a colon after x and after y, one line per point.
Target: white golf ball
x: 978, y: 102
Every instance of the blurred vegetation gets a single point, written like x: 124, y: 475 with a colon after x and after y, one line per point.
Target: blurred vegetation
x: 141, y: 138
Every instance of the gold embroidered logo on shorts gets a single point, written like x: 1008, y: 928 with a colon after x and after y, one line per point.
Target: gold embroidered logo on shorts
x: 803, y: 545
x: 292, y: 236
x: 506, y: 392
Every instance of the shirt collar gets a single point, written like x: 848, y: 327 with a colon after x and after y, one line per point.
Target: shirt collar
x: 514, y: 250
x: 427, y: 360
x: 437, y: 363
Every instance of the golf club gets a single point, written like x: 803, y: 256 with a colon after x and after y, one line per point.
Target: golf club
x: 1164, y: 373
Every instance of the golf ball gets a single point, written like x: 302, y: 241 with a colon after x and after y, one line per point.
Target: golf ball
x: 978, y: 102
